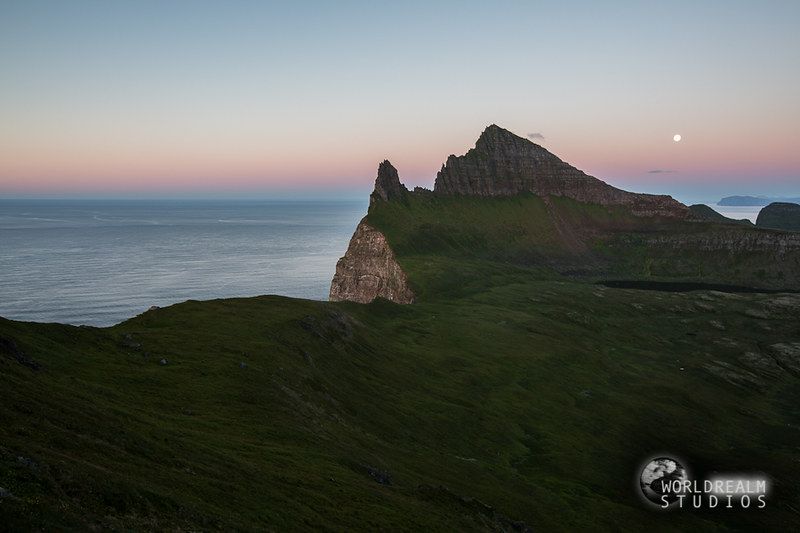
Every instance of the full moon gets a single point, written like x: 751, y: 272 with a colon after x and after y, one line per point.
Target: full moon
x: 676, y: 138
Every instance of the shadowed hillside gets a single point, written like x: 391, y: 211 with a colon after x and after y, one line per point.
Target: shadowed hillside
x: 780, y: 215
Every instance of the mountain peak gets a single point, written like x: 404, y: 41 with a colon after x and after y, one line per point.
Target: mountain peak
x: 494, y: 135
x: 504, y: 164
x: 506, y: 146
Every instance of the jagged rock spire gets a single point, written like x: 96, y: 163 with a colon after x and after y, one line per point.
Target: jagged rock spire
x: 387, y: 184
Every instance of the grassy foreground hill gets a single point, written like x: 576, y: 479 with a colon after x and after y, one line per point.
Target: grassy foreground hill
x: 524, y: 402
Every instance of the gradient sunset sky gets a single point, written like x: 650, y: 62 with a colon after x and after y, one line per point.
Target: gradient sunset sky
x: 256, y: 98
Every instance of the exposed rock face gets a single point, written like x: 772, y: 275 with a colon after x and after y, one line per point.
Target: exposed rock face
x: 780, y: 215
x: 503, y: 164
x: 783, y: 246
x: 7, y: 344
x: 773, y: 257
x: 787, y: 355
x: 369, y: 270
x: 387, y: 184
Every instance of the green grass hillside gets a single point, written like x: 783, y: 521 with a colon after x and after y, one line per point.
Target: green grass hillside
x: 443, y: 241
x: 514, y: 396
x: 532, y: 402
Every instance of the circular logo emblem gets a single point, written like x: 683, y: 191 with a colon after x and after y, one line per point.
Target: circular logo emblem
x: 662, y: 480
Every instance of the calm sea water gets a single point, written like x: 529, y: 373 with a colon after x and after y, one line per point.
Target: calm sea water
x: 101, y: 262
x: 738, y: 212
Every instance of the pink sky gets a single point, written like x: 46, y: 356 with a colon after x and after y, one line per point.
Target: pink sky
x: 141, y: 98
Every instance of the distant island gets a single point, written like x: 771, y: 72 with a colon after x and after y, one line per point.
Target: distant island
x: 742, y: 201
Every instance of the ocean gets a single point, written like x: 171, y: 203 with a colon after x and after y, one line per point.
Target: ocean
x: 737, y: 212
x: 99, y: 262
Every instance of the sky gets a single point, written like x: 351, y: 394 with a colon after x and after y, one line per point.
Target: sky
x: 259, y: 98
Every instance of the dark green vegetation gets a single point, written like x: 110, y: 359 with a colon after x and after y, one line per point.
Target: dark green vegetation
x: 513, y: 392
x: 709, y: 214
x: 780, y: 215
x: 445, y: 242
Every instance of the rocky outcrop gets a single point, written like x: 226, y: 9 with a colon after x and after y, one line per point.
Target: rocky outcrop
x: 369, y: 270
x: 780, y: 215
x: 504, y: 164
x: 387, y: 184
x: 739, y: 255
x: 781, y: 245
x: 8, y: 345
x: 787, y: 356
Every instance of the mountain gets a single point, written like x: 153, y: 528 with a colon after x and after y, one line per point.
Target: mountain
x: 503, y: 164
x: 780, y: 215
x: 508, y: 201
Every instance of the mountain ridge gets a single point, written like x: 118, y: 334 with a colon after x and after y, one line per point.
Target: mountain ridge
x: 563, y: 220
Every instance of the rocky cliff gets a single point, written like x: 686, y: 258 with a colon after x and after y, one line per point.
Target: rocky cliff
x: 368, y: 269
x: 504, y: 164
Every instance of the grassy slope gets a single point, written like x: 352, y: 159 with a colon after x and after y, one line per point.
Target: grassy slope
x: 506, y: 395
x: 709, y: 213
x: 442, y: 242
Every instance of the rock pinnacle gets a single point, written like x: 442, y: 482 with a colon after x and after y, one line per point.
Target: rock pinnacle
x: 387, y: 184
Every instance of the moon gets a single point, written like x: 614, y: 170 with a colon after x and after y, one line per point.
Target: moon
x: 676, y: 137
